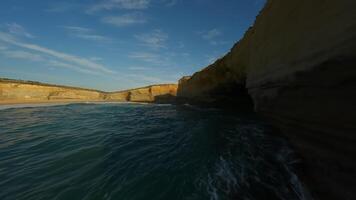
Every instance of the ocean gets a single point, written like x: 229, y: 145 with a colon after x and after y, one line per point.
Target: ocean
x: 142, y: 152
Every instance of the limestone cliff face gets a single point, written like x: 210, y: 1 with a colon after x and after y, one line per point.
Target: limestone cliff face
x: 22, y: 91
x: 154, y: 93
x: 13, y: 91
x: 118, y: 96
x: 298, y: 64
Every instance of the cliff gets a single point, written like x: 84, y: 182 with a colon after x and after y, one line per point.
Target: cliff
x: 297, y: 64
x: 15, y: 91
x: 154, y: 93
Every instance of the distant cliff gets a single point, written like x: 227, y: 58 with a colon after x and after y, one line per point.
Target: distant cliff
x: 297, y: 64
x: 154, y: 93
x: 15, y: 91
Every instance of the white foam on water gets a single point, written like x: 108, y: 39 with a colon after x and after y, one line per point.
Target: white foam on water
x: 211, y: 189
x: 33, y: 105
x: 4, y: 107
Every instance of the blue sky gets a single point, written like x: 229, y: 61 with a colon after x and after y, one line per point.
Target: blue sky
x: 117, y: 44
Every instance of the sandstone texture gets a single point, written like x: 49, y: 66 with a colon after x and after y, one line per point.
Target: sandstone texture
x: 154, y: 93
x: 14, y: 91
x: 11, y: 90
x: 298, y: 64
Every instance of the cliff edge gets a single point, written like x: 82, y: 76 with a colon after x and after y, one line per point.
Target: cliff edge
x: 297, y: 64
x: 16, y: 91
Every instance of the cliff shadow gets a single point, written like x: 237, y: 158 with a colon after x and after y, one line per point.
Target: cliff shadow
x: 229, y: 96
x: 165, y: 99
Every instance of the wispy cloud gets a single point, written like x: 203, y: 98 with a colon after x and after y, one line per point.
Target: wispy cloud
x: 18, y: 30
x: 36, y: 57
x: 85, y: 33
x: 56, y: 63
x: 210, y: 59
x: 155, y: 39
x: 95, y: 58
x: 259, y: 2
x: 139, y: 68
x: 145, y: 56
x: 127, y: 5
x: 19, y: 54
x: 3, y: 47
x: 83, y: 63
x: 150, y: 79
x: 125, y: 20
x: 61, y: 7
x: 119, y: 4
x: 154, y: 59
x: 181, y: 45
x: 212, y: 36
x: 170, y: 3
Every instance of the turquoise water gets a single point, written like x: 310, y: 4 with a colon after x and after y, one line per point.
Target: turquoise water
x: 141, y: 152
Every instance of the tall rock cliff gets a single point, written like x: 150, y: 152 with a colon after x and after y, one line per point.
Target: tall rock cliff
x: 155, y: 93
x: 14, y: 91
x: 298, y: 64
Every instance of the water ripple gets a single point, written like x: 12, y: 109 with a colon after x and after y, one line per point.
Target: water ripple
x: 136, y: 151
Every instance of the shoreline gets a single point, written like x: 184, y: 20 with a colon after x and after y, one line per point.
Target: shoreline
x: 20, y: 102
x: 31, y: 104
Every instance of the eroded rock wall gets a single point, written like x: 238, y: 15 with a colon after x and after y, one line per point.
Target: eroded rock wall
x: 298, y: 63
x: 15, y: 91
x: 147, y: 94
x: 12, y: 91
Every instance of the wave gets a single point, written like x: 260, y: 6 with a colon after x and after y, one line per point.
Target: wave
x: 34, y: 105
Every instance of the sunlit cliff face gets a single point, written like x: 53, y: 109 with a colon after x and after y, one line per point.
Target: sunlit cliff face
x: 25, y: 92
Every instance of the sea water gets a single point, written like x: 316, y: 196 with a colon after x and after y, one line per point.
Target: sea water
x: 142, y: 152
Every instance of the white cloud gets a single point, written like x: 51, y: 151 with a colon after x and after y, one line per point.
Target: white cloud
x: 145, y: 56
x: 77, y: 29
x: 155, y: 39
x: 56, y: 63
x: 127, y: 5
x: 120, y: 4
x: 19, y: 54
x: 214, y: 42
x: 2, y: 47
x: 92, y: 37
x: 185, y: 54
x: 75, y: 60
x: 170, y: 3
x: 85, y: 33
x: 181, y: 45
x: 61, y: 7
x: 259, y: 2
x: 95, y: 58
x: 19, y: 30
x: 138, y: 68
x: 161, y: 59
x: 124, y: 20
x: 211, y: 34
x: 29, y: 56
x: 210, y: 59
x: 149, y: 79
